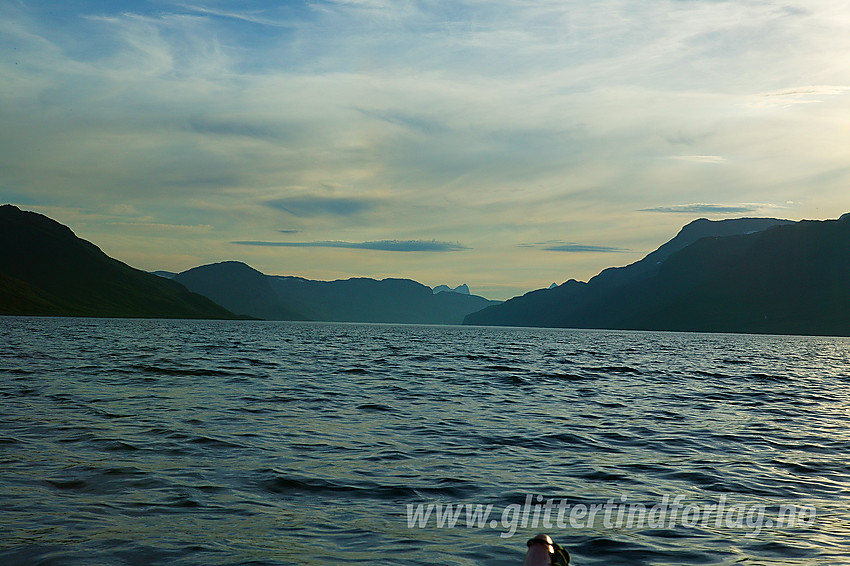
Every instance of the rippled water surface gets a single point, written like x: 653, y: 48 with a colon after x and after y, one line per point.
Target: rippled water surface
x: 178, y: 442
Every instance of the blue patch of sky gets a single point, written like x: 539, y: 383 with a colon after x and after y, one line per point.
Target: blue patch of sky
x: 241, y: 27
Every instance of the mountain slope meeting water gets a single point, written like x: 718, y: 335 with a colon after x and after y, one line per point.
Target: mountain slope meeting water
x: 245, y: 290
x: 241, y: 288
x: 782, y: 278
x: 46, y: 270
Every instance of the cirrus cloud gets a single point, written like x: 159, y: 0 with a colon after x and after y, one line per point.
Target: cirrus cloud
x: 572, y: 247
x: 705, y: 208
x: 310, y: 206
x: 378, y: 245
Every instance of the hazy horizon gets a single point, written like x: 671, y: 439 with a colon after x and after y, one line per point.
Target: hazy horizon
x: 499, y: 144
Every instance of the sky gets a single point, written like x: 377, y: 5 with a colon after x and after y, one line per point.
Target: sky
x: 506, y: 144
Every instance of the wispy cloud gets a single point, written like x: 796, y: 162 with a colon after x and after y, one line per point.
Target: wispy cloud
x: 572, y: 247
x: 704, y: 208
x: 379, y: 245
x: 309, y: 206
x: 237, y: 127
x: 258, y: 17
x: 159, y: 226
x: 799, y: 95
x: 700, y: 158
x: 583, y: 248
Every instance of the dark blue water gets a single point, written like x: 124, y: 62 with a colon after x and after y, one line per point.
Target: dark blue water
x: 177, y: 442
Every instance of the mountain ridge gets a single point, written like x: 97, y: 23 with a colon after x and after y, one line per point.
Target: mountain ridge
x: 788, y: 278
x: 46, y: 270
x: 757, y: 275
x: 356, y: 299
x: 546, y: 307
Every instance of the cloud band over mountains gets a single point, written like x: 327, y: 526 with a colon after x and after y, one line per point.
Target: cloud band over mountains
x: 572, y: 247
x: 704, y: 208
x: 379, y: 245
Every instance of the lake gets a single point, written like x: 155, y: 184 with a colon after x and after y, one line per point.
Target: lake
x: 212, y: 442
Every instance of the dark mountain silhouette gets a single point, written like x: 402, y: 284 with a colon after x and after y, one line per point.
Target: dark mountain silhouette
x: 788, y: 278
x: 792, y: 279
x: 690, y: 233
x: 744, y: 275
x: 245, y: 290
x: 46, y: 270
x: 242, y: 288
x: 556, y: 306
